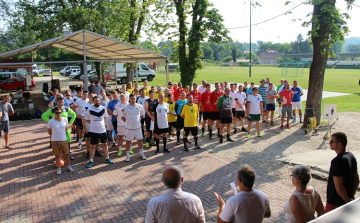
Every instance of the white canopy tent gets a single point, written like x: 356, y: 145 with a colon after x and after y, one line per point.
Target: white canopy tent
x: 89, y: 44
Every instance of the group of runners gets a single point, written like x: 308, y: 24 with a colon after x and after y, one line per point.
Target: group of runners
x: 146, y: 114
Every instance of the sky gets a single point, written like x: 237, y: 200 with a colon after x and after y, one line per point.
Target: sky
x: 236, y: 13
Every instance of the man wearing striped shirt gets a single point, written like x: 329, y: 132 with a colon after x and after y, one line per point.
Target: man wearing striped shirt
x: 262, y: 92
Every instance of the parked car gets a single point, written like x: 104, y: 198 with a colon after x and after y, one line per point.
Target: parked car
x: 90, y: 77
x: 67, y: 68
x: 6, y: 75
x: 75, y: 75
x: 46, y: 72
x: 15, y: 83
x: 69, y: 72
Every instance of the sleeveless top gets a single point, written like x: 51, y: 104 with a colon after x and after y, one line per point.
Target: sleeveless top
x: 308, y: 203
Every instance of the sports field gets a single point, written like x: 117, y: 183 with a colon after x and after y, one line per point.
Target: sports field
x: 336, y: 80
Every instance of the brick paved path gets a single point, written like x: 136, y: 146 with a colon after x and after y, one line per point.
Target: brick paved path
x: 32, y: 192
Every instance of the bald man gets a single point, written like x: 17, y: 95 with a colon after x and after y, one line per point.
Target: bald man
x: 175, y: 205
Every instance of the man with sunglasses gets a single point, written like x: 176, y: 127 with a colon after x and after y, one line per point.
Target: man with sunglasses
x: 343, y: 180
x: 57, y: 129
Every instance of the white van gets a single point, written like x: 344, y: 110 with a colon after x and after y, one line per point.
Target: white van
x: 144, y: 72
x: 63, y: 71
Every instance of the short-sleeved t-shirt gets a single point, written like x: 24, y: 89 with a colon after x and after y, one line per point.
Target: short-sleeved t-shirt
x: 58, y: 129
x: 270, y: 93
x: 233, y: 94
x: 80, y: 103
x: 97, y: 89
x: 97, y: 116
x: 133, y: 114
x: 179, y: 105
x: 254, y: 104
x: 151, y: 106
x: 196, y: 96
x: 240, y: 208
x: 343, y: 165
x: 262, y: 92
x: 205, y: 101
x: 278, y: 89
x: 161, y: 117
x: 202, y: 89
x: 191, y: 113
x: 111, y: 107
x: 298, y: 91
x: 225, y: 106
x: 249, y: 91
x: 5, y: 109
x: 240, y: 97
x: 286, y: 97
x: 214, y: 100
x: 118, y: 111
x: 83, y: 114
x: 141, y: 100
x: 104, y: 102
x: 171, y: 117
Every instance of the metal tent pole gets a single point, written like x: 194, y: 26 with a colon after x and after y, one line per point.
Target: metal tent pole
x: 137, y: 72
x: 101, y: 74
x: 250, y: 43
x: 86, y: 80
x: 52, y: 76
x: 115, y: 76
x: 167, y: 72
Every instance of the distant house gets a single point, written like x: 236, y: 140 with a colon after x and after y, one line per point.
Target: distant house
x: 269, y: 57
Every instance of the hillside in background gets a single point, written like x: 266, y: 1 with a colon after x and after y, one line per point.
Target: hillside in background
x: 352, y: 41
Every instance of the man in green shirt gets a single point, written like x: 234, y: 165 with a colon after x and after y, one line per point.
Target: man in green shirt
x: 65, y: 113
x: 224, y: 106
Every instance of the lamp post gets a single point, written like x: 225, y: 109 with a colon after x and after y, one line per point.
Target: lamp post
x: 250, y: 44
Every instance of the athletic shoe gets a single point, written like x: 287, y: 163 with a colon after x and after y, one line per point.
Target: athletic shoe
x: 243, y: 130
x: 263, y: 121
x: 186, y: 149
x: 79, y: 146
x: 131, y: 152
x: 157, y: 152
x: 203, y: 134
x: 90, y: 164
x: 259, y: 135
x: 188, y: 141
x: 211, y: 137
x: 212, y: 133
x: 119, y: 153
x: 229, y: 140
x: 109, y: 161
x: 281, y: 126
x: 143, y: 139
x: 173, y: 133
x: 71, y: 158
x: 58, y: 172
x: 147, y: 145
x: 235, y: 131
x: 87, y: 155
x: 113, y: 145
x: 97, y: 153
x: 70, y: 169
x: 166, y: 151
x: 143, y: 156
x: 266, y: 124
x: 221, y: 140
x: 170, y: 138
x: 127, y: 158
x: 291, y: 117
x: 294, y: 121
x: 248, y: 135
x: 272, y: 123
x: 177, y: 143
x: 279, y: 116
x: 197, y: 147
x: 287, y: 126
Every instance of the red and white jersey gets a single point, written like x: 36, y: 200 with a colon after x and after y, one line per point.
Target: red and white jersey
x: 214, y: 100
x: 205, y: 101
x: 196, y: 96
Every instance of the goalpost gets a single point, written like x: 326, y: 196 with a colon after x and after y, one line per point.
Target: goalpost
x: 292, y: 69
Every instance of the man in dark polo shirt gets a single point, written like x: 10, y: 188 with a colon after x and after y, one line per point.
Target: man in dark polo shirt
x: 343, y: 178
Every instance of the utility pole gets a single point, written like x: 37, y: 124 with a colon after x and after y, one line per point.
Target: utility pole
x: 250, y: 44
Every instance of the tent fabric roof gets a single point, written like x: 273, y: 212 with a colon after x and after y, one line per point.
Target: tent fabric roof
x: 98, y: 47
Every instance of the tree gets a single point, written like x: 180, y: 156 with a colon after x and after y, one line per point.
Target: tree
x: 254, y: 57
x: 352, y: 48
x: 328, y: 27
x: 204, y: 20
x: 233, y: 52
x: 337, y: 47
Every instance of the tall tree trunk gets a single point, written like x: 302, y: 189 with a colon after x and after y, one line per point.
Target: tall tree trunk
x: 320, y: 56
x: 182, y: 38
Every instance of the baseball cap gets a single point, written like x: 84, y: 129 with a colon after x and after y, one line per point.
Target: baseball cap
x: 170, y: 83
x: 179, y: 83
x: 263, y: 80
x: 167, y: 90
x: 159, y: 86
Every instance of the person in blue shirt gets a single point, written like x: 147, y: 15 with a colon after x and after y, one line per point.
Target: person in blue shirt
x: 111, y: 106
x: 249, y: 90
x: 53, y: 98
x: 296, y: 101
x: 180, y: 121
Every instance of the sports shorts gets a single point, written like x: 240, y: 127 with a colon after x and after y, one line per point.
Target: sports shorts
x: 215, y: 116
x: 5, y: 126
x: 59, y: 145
x: 240, y: 114
x: 254, y: 117
x: 193, y: 130
x: 264, y: 105
x: 95, y: 137
x: 78, y: 122
x: 121, y: 130
x: 286, y: 109
x: 131, y: 134
x: 226, y: 120
x: 148, y: 124
x: 233, y: 110
x: 206, y: 115
x: 270, y: 107
x: 296, y: 105
x: 172, y: 125
x: 179, y: 122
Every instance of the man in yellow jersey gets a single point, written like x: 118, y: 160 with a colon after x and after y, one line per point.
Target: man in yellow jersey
x: 190, y: 113
x: 158, y: 92
x: 172, y: 117
x: 146, y: 89
x: 130, y: 88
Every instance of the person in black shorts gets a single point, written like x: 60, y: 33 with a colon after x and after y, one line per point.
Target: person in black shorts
x: 161, y: 123
x: 224, y: 105
x: 190, y: 113
x: 150, y: 106
x: 180, y: 120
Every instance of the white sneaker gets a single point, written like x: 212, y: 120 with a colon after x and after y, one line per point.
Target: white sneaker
x: 58, y: 171
x: 170, y: 137
x: 127, y: 158
x: 70, y: 169
x: 79, y: 146
x: 181, y: 137
x: 143, y: 156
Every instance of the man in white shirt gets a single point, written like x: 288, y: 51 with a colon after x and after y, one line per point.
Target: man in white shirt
x: 175, y: 205
x: 249, y: 205
x: 254, y: 110
x: 121, y: 125
x: 161, y: 123
x: 77, y: 107
x: 86, y: 129
x: 233, y: 104
x: 240, y: 102
x: 57, y: 128
x: 96, y: 116
x: 131, y: 115
x: 141, y: 100
x: 202, y: 89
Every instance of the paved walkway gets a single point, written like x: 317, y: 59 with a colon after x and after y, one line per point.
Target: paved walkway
x: 32, y: 192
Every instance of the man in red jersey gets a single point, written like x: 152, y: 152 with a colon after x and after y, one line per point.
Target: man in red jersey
x: 170, y: 87
x: 206, y: 110
x: 286, y: 96
x: 196, y: 98
x: 215, y: 113
x: 178, y: 91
